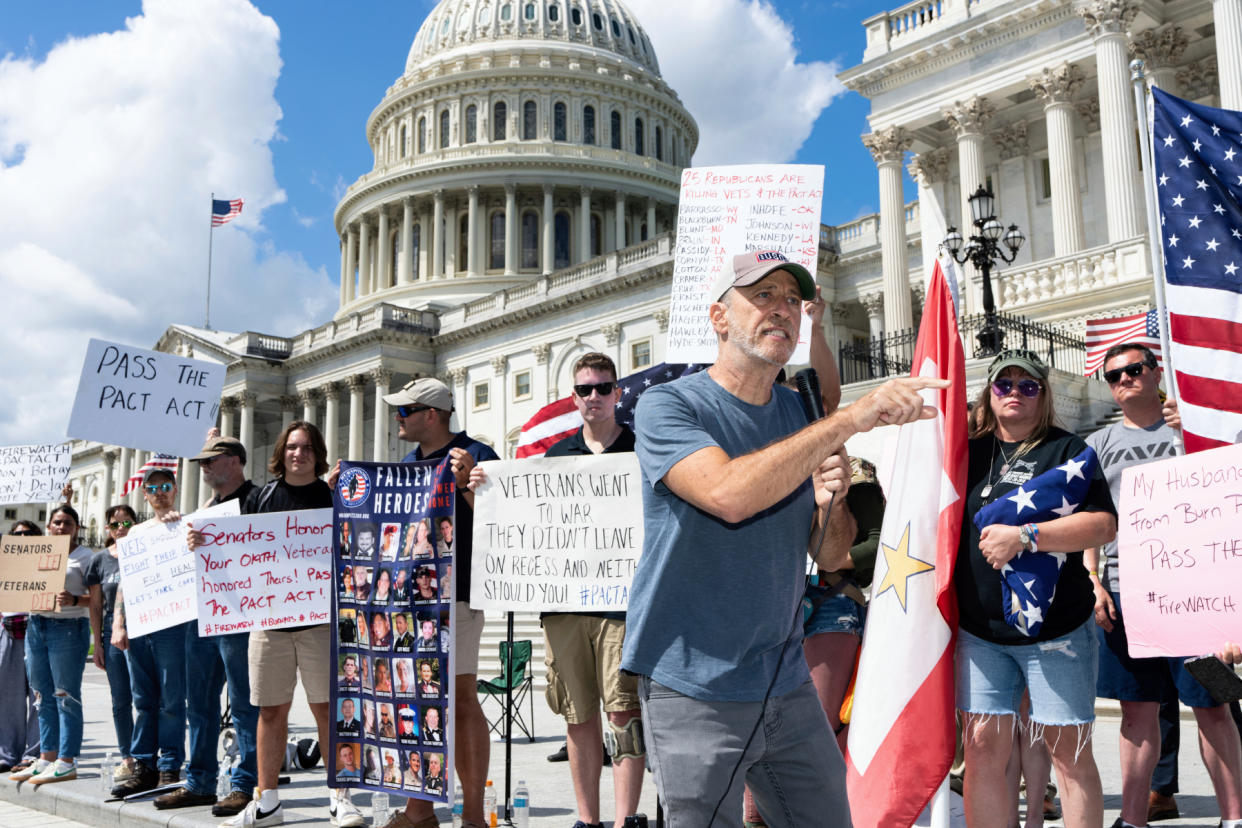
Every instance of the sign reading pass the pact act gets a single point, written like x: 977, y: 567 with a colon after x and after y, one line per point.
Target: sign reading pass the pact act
x: 144, y: 399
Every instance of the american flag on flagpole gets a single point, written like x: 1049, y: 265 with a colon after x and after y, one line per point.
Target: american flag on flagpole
x: 223, y: 211
x: 1198, y: 169
x: 157, y: 461
x: 557, y: 420
x: 1102, y: 334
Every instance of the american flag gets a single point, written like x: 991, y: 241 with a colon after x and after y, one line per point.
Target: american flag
x: 557, y: 420
x: 1198, y: 168
x: 1102, y: 334
x: 157, y: 461
x: 222, y: 211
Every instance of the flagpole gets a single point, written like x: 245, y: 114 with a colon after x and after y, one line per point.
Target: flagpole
x: 1138, y: 81
x: 210, y: 235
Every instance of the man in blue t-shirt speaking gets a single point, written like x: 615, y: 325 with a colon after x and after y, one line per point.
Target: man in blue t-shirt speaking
x: 734, y: 483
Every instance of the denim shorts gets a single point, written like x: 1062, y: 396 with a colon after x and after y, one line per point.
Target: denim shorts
x: 840, y: 613
x: 1060, y: 674
x: 1143, y: 679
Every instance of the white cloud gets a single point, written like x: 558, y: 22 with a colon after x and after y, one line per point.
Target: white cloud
x: 111, y: 146
x: 737, y: 71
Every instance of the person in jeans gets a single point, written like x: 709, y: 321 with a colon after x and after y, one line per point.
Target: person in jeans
x: 103, y: 579
x: 19, y: 723
x: 56, y: 647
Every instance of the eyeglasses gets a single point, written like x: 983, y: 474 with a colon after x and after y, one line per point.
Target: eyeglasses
x: 22, y: 533
x: 123, y: 524
x: 1132, y: 370
x: 1027, y: 387
x: 601, y: 388
x: 159, y: 488
x: 404, y: 411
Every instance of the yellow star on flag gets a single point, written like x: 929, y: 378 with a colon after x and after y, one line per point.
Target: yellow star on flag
x: 901, y: 566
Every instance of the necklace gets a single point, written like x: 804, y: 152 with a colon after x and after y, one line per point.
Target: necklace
x: 1004, y: 469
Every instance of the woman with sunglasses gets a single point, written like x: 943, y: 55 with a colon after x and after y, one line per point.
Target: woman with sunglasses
x: 19, y: 723
x: 103, y: 578
x: 1013, y: 441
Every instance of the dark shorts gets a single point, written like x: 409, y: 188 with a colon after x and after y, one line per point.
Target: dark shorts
x: 1142, y: 679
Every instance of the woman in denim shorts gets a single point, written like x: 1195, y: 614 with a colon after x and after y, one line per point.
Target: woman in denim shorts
x: 1013, y: 440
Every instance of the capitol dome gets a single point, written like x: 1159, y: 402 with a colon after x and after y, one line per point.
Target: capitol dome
x: 523, y: 137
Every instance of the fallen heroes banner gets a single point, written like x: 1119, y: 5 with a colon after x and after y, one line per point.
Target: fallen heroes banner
x: 393, y: 601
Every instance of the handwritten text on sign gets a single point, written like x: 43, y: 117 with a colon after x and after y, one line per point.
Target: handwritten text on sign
x: 145, y: 399
x: 32, y: 571
x: 264, y: 572
x: 724, y: 211
x: 1179, y: 540
x: 557, y: 533
x: 33, y: 474
x: 157, y: 572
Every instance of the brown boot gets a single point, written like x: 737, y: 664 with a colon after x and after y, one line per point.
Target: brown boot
x: 1161, y: 807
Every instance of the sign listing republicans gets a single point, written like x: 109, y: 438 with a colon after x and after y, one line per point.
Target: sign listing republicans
x: 393, y: 601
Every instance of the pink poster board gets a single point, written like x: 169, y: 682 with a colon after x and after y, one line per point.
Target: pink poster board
x: 1179, y: 538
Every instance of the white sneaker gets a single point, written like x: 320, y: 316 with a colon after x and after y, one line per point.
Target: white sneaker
x: 252, y: 817
x: 345, y: 813
x: 58, y: 771
x: 38, y: 767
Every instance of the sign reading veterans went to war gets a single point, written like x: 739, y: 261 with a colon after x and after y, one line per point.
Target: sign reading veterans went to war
x: 1179, y: 544
x: 157, y: 571
x: 392, y: 699
x: 724, y: 211
x: 32, y: 572
x: 33, y: 474
x: 264, y: 572
x: 557, y: 534
x: 145, y: 399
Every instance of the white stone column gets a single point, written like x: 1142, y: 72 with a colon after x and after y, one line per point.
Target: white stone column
x: 351, y: 264
x: 136, y: 500
x: 472, y: 222
x: 288, y: 410
x: 383, y: 253
x: 888, y: 148
x: 930, y: 169
x: 1161, y: 51
x: 310, y: 402
x: 1056, y: 88
x: 1227, y: 18
x: 437, y: 236
x: 357, y: 388
x: 331, y: 420
x: 620, y: 220
x: 584, y: 226
x: 109, y: 478
x: 124, y: 470
x: 228, y: 415
x: 873, y: 303
x: 344, y: 270
x: 549, y: 231
x: 969, y: 119
x: 451, y: 229
x: 1107, y: 21
x: 651, y: 219
x: 510, y: 228
x: 406, y: 269
x: 364, y: 257
x: 187, y: 485
x: 246, y: 402
x: 381, y: 377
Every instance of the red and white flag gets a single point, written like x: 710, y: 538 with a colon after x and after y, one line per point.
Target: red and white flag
x: 551, y: 424
x: 157, y: 461
x: 901, y: 735
x: 1102, y: 334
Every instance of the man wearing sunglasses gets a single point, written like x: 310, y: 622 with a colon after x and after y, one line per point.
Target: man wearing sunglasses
x: 423, y: 409
x: 1149, y: 430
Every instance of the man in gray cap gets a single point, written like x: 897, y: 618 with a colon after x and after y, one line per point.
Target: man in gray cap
x: 223, y: 463
x: 735, y: 480
x: 424, y: 408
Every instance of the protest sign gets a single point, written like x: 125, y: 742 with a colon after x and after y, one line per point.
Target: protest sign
x: 32, y: 572
x: 33, y: 474
x: 557, y: 534
x: 392, y: 701
x: 264, y: 572
x: 724, y: 211
x: 1179, y: 544
x: 144, y: 399
x: 157, y: 572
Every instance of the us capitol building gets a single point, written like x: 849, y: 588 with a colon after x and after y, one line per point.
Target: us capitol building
x: 521, y: 208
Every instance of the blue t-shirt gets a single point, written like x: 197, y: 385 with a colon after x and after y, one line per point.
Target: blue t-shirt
x: 711, y: 611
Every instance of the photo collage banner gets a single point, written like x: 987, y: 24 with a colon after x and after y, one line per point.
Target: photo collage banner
x: 393, y: 601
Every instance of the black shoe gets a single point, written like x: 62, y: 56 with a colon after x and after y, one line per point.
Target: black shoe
x: 184, y: 798
x: 561, y: 755
x: 144, y: 779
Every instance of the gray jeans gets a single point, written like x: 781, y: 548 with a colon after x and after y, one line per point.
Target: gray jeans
x: 793, y: 765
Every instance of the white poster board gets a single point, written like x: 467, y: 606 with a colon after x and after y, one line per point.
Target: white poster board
x: 146, y: 400
x: 34, y: 474
x: 557, y: 534
x: 157, y: 572
x: 264, y: 572
x: 724, y: 211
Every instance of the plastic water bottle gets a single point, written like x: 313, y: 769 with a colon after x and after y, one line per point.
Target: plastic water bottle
x: 107, y: 768
x: 521, y: 805
x: 489, y: 805
x: 224, y: 785
x: 459, y: 805
x: 379, y: 809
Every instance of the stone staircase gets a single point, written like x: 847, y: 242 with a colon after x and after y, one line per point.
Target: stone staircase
x: 525, y: 627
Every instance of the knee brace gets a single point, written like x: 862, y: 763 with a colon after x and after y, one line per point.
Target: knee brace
x: 625, y: 742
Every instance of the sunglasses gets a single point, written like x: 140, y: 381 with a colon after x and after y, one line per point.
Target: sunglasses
x: 1027, y: 387
x: 1132, y: 370
x: 22, y: 533
x: 158, y: 488
x: 404, y: 411
x: 601, y: 388
x: 122, y: 524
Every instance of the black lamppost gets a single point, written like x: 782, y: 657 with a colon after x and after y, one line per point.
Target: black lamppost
x: 982, y: 249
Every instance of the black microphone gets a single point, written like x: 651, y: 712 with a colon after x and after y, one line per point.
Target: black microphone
x: 808, y: 389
